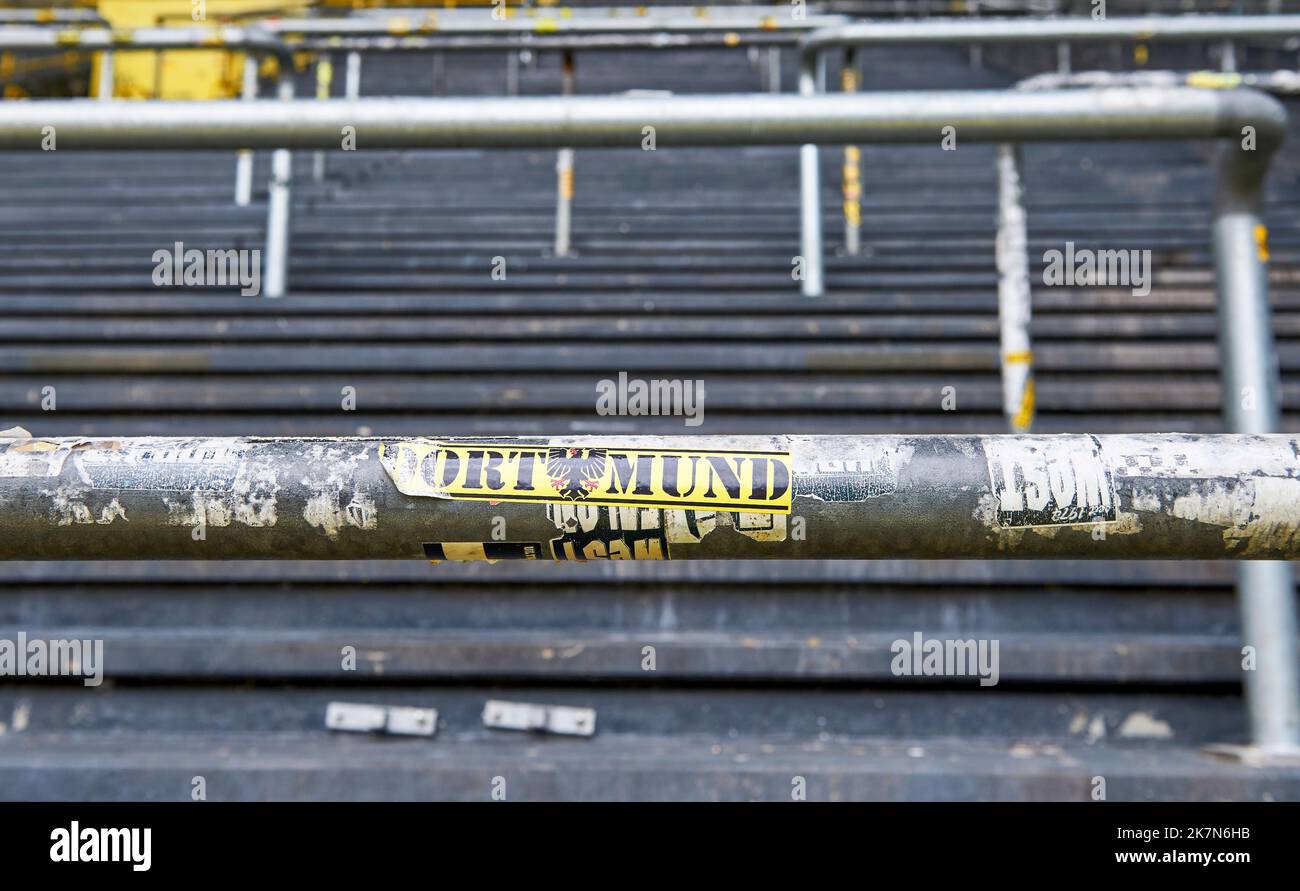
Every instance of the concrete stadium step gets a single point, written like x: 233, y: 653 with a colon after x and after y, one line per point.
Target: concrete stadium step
x: 274, y: 766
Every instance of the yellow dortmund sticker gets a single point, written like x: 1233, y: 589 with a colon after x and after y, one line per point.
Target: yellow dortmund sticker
x: 754, y: 482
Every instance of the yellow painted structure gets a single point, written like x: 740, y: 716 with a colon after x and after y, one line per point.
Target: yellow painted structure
x: 214, y: 74
x: 187, y: 74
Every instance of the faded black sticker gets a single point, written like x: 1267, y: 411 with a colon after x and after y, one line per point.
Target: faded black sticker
x: 847, y: 481
x: 591, y: 532
x: 477, y: 551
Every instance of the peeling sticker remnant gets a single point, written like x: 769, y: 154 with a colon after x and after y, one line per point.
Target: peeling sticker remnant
x: 36, y: 457
x: 840, y: 482
x: 199, y: 509
x: 335, y: 501
x: 255, y: 492
x: 14, y: 462
x: 165, y: 467
x: 111, y: 512
x: 1062, y: 481
x: 67, y: 507
x: 752, y: 481
x: 1257, y: 517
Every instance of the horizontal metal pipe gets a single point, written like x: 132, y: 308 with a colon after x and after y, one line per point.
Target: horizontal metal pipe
x: 249, y: 39
x: 619, y: 121
x: 1276, y: 83
x: 1062, y: 30
x: 659, y: 40
x: 51, y: 17
x: 477, y: 21
x: 638, y: 497
x: 1249, y: 369
x: 450, y: 15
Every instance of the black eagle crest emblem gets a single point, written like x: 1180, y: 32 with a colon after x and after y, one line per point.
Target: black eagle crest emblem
x: 574, y: 472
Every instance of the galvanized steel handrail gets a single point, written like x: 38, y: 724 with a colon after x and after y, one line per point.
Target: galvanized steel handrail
x: 981, y: 116
x: 106, y: 41
x: 1275, y: 83
x: 439, y: 30
x: 225, y: 37
x: 543, y: 21
x: 1152, y: 496
x: 617, y: 121
x: 547, y: 41
x: 1251, y: 402
x: 253, y: 41
x: 50, y: 19
x: 596, y: 28
x: 1014, y: 290
x: 1066, y: 30
x: 1070, y: 29
x: 55, y: 17
x: 1266, y: 591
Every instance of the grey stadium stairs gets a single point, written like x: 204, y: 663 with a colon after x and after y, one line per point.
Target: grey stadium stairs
x: 765, y: 671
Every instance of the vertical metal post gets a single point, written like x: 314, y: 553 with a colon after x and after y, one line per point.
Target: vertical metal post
x: 275, y: 274
x: 106, y: 76
x: 439, y: 73
x: 512, y: 72
x: 1266, y: 593
x: 324, y: 80
x: 1265, y: 589
x: 244, y: 157
x: 564, y: 171
x: 1228, y: 56
x: 810, y: 211
x: 851, y: 182
x: 1063, y: 60
x: 352, y: 77
x: 1014, y: 295
x: 774, y: 69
